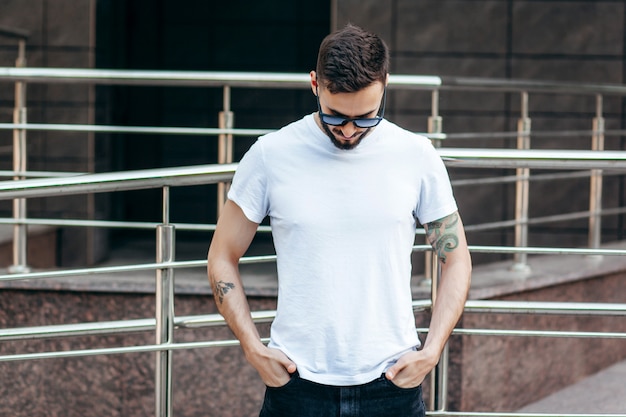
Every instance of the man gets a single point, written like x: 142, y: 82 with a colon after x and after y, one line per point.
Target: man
x: 344, y: 189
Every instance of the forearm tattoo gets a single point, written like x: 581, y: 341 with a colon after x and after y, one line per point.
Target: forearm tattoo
x: 443, y: 236
x: 221, y: 288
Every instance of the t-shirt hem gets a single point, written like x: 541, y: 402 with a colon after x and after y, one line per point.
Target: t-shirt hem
x: 342, y: 381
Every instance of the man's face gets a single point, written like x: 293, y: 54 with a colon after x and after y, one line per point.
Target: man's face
x: 363, y: 104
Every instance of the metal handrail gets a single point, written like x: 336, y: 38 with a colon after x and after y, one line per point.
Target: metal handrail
x: 204, y: 174
x: 212, y: 320
x: 291, y: 80
x: 212, y: 131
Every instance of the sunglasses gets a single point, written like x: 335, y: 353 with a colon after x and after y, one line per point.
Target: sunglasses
x: 360, y: 122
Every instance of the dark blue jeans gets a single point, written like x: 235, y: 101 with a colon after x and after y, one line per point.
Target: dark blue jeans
x: 379, y: 398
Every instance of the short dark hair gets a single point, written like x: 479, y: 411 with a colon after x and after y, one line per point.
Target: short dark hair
x: 351, y: 59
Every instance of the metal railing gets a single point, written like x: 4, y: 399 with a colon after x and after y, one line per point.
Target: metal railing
x: 165, y: 322
x: 226, y: 131
x: 521, y: 159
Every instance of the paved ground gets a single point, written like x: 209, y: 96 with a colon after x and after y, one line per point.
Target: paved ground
x: 602, y: 393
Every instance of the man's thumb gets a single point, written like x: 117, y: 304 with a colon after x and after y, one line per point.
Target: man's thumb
x: 290, y: 366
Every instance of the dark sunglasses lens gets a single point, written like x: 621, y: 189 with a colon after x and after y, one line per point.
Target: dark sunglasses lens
x: 333, y: 120
x: 367, y: 123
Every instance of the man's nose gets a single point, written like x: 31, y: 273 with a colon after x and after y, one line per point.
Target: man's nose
x: 348, y: 129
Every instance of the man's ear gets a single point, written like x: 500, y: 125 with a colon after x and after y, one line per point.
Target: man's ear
x: 313, y: 82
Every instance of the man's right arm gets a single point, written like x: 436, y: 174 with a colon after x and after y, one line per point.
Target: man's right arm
x: 233, y: 235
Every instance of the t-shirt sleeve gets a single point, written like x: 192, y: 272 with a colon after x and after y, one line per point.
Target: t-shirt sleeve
x: 436, y: 199
x: 249, y: 186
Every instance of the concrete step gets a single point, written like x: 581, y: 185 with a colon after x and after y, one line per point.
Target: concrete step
x: 601, y: 393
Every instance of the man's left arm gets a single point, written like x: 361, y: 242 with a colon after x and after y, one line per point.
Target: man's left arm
x: 447, y: 237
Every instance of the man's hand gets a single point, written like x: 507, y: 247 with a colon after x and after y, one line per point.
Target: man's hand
x: 273, y: 366
x: 411, y: 369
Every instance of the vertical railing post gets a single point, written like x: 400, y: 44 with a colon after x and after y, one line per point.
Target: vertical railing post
x: 20, y: 231
x: 435, y: 125
x: 438, y: 376
x: 165, y: 243
x: 522, y: 188
x: 438, y: 400
x: 225, y: 145
x: 595, y: 190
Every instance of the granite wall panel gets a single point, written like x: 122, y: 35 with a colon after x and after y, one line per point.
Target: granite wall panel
x: 568, y: 28
x: 597, y: 70
x: 451, y: 26
x: 78, y: 34
x: 26, y: 15
x: 376, y: 16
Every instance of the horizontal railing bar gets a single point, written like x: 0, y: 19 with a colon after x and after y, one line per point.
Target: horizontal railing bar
x: 77, y: 329
x: 290, y: 80
x: 489, y: 226
x: 510, y: 85
x: 115, y: 224
x: 105, y: 224
x: 83, y: 271
x: 154, y: 78
x: 210, y: 131
x: 39, y: 174
x: 545, y: 159
x: 542, y: 220
x: 533, y: 333
x: 272, y: 258
x: 557, y: 218
x: 539, y: 333
x: 544, y: 307
x: 211, y: 320
x: 204, y: 131
x: 208, y: 174
x: 532, y: 134
x: 547, y: 250
x: 119, y: 350
x: 125, y: 268
x: 534, y: 178
x: 117, y: 181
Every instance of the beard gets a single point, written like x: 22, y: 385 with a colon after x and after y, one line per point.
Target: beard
x: 344, y: 145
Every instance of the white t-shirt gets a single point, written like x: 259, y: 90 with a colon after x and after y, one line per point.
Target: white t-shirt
x: 343, y: 224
